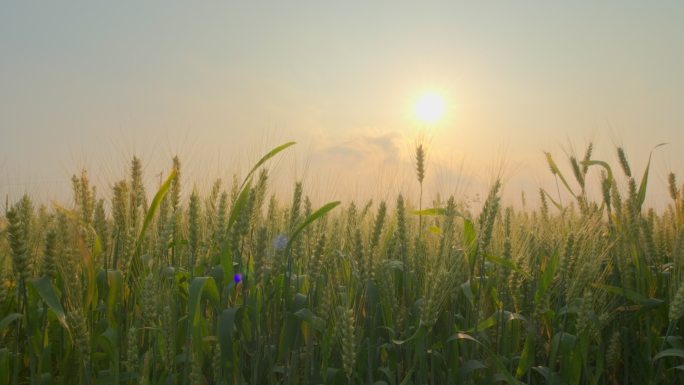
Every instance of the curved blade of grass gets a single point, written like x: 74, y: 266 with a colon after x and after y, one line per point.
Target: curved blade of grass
x: 562, y: 343
x: 246, y: 183
x: 463, y: 336
x: 469, y: 367
x: 9, y: 319
x: 631, y: 295
x: 507, y: 263
x: 225, y: 258
x: 556, y: 171
x: 265, y: 158
x: 153, y: 208
x: 226, y: 327
x: 669, y: 353
x: 89, y: 267
x: 435, y: 211
x: 546, y: 277
x: 435, y: 230
x: 495, y: 318
x: 470, y: 242
x: 549, y: 375
x: 309, y: 317
x: 558, y: 205
x: 503, y: 371
x: 526, y: 357
x: 201, y: 287
x: 115, y: 280
x: 601, y: 163
x: 135, y: 263
x: 312, y: 218
x: 420, y: 332
x: 239, y: 205
x: 641, y: 195
x: 47, y: 292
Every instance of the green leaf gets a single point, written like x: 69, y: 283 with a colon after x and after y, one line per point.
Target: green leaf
x: 507, y: 263
x: 114, y: 283
x: 435, y: 230
x: 463, y: 336
x: 669, y: 353
x: 4, y: 366
x: 546, y: 278
x: 556, y: 204
x: 330, y: 375
x: 469, y: 367
x: 470, y: 241
x: 226, y: 328
x: 495, y: 318
x: 392, y: 264
x: 109, y: 340
x: 9, y: 319
x: 527, y: 357
x: 310, y: 219
x: 550, y: 377
x: 265, y: 158
x: 201, y: 287
x: 420, y: 331
x: 435, y: 211
x: 468, y: 291
x: 633, y: 296
x: 136, y: 261
x: 603, y: 164
x: 225, y: 256
x: 89, y: 269
x: 641, y: 195
x: 47, y: 292
x: 153, y: 208
x: 562, y: 343
x: 556, y: 171
x: 239, y: 205
x: 309, y: 317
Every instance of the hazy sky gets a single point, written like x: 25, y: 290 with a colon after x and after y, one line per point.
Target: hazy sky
x: 90, y: 85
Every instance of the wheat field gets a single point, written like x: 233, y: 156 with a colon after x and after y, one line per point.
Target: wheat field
x: 239, y: 287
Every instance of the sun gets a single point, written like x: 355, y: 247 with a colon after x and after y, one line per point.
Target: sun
x: 429, y: 108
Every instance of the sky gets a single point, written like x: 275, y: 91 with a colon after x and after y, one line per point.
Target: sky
x: 91, y: 84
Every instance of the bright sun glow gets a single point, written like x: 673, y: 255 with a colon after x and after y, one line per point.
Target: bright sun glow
x: 429, y: 108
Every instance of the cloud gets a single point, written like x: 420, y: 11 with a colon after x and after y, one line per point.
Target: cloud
x: 366, y: 149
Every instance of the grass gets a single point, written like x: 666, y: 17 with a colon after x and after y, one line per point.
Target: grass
x: 240, y: 288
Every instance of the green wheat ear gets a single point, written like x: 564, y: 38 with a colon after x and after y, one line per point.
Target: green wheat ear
x: 677, y: 305
x: 623, y: 162
x: 80, y: 334
x: 193, y: 227
x: 132, y: 354
x: 613, y: 352
x: 420, y: 163
x: 347, y: 339
x: 672, y: 184
x: 16, y: 233
x: 49, y: 267
x: 216, y: 365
